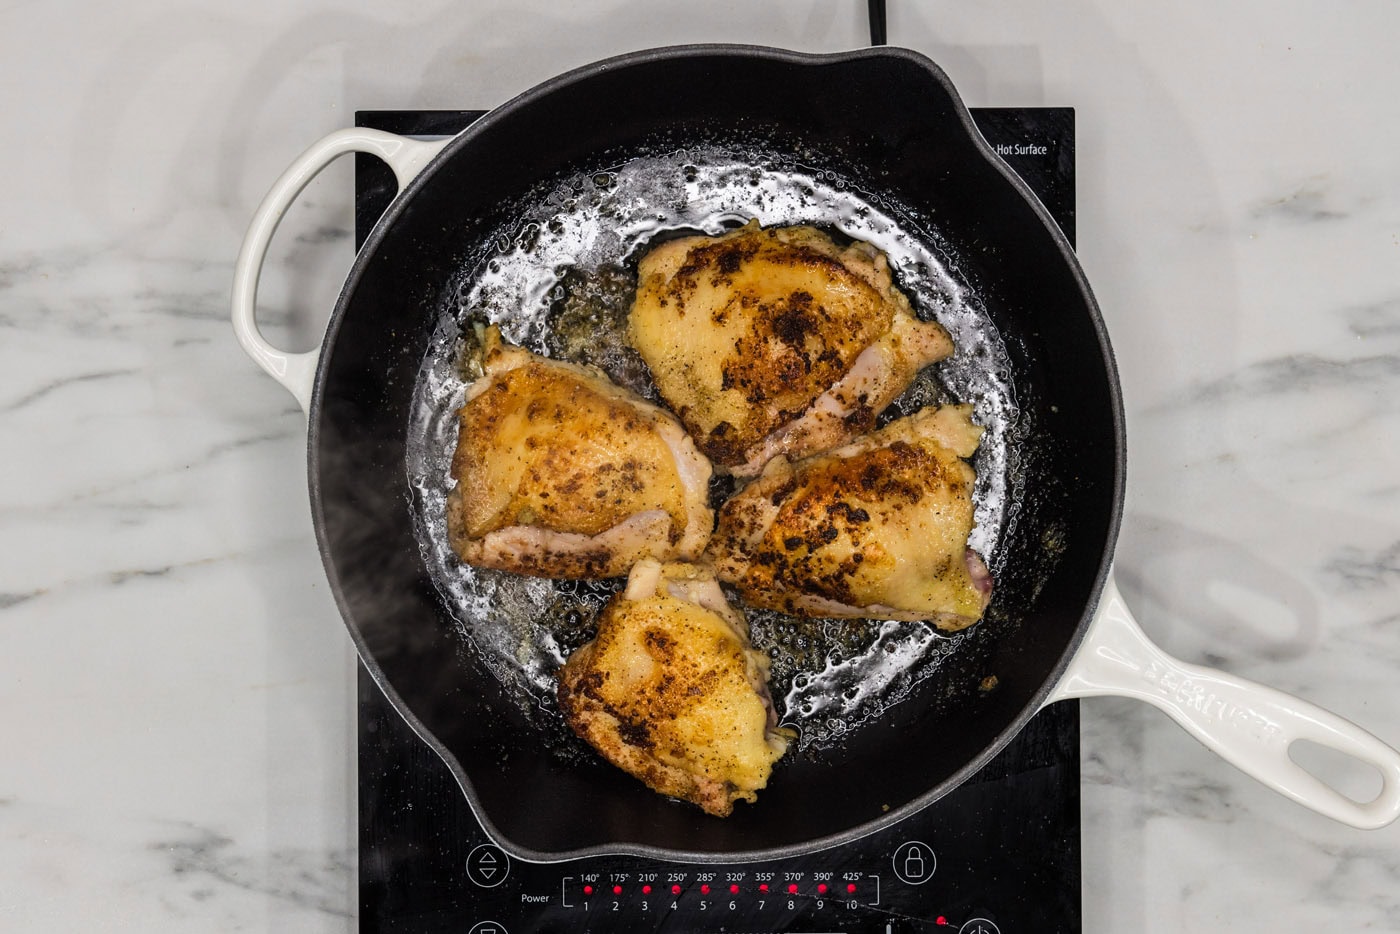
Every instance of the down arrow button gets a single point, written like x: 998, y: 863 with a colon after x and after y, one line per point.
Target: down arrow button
x: 487, y: 865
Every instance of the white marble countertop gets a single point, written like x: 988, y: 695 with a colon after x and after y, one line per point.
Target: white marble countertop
x: 176, y: 743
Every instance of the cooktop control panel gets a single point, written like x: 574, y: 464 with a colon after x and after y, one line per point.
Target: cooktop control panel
x: 864, y: 891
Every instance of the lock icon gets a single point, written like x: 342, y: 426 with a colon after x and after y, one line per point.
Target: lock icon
x: 914, y: 862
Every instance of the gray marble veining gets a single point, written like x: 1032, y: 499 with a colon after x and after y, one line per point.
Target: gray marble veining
x: 176, y: 685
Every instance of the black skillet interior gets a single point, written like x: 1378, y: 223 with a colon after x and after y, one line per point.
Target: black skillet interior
x: 888, y: 117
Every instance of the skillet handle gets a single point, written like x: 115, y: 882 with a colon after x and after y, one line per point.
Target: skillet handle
x: 297, y: 371
x: 1248, y: 724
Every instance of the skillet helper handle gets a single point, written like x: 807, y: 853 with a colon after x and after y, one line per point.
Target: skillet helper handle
x: 297, y: 371
x: 1249, y: 725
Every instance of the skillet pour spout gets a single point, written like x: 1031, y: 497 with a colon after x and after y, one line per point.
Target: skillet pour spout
x: 889, y: 121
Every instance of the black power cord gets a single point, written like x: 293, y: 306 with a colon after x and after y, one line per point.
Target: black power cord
x: 877, y: 21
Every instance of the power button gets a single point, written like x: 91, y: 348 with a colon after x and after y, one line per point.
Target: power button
x: 979, y: 926
x: 914, y: 862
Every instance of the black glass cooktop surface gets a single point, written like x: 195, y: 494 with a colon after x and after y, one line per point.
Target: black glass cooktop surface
x: 1000, y: 853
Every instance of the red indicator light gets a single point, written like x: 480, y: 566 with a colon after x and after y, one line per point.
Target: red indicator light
x: 675, y: 890
x: 588, y: 890
x: 733, y: 890
x: 704, y: 890
x: 763, y: 887
x: 646, y: 890
x: 941, y: 920
x: 821, y: 887
x: 850, y: 886
x: 792, y: 888
x: 617, y: 890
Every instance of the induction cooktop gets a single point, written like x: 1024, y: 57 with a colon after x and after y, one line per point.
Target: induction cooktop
x: 1000, y: 854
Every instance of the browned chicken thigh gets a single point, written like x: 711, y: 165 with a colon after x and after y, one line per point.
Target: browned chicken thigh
x: 877, y: 528
x: 560, y: 473
x: 776, y: 341
x: 671, y: 692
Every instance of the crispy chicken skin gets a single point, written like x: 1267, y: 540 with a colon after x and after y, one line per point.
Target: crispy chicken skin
x: 671, y: 691
x: 877, y: 528
x: 776, y: 341
x: 560, y: 473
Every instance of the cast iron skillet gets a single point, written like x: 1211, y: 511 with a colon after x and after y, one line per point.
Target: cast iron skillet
x: 891, y: 119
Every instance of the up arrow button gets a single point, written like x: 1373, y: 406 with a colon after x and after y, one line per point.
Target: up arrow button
x: 487, y: 865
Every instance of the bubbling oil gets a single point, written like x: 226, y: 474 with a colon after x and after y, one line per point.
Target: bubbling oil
x: 559, y: 280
